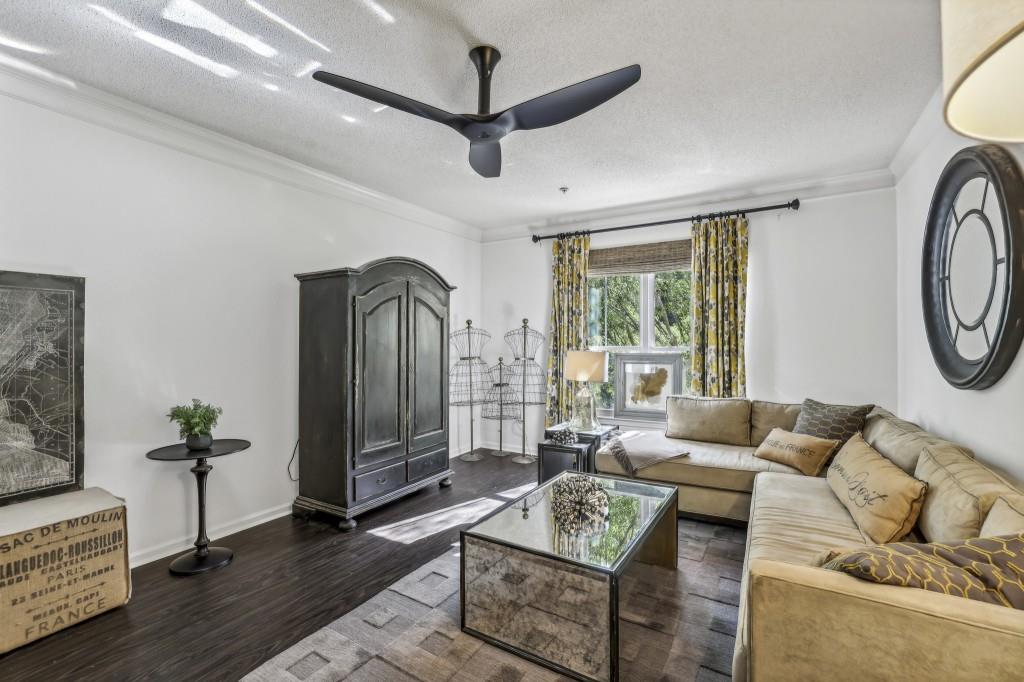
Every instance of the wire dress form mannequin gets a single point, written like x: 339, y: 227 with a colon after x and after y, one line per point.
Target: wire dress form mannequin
x: 469, y: 378
x: 502, y: 402
x: 527, y: 378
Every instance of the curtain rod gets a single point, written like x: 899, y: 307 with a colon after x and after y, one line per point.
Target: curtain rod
x: 792, y: 205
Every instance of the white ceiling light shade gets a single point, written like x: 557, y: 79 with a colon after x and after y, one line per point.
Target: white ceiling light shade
x: 15, y: 44
x: 291, y: 27
x: 192, y: 14
x: 983, y: 68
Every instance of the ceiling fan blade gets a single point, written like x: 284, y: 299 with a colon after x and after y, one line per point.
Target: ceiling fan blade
x: 485, y: 158
x: 393, y: 100
x: 569, y: 102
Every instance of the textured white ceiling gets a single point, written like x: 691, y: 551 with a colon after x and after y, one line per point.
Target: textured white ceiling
x: 734, y: 93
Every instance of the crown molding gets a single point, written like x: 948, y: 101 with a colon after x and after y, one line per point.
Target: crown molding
x: 120, y: 115
x: 699, y: 203
x: 924, y: 130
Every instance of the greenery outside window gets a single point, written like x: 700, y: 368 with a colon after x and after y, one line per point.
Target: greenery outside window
x: 642, y: 313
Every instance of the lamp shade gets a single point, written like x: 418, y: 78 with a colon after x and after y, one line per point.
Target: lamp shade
x: 982, y: 67
x: 586, y: 365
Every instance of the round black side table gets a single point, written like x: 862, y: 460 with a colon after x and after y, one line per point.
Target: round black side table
x: 205, y: 558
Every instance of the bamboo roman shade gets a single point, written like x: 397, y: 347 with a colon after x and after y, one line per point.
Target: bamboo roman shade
x: 627, y: 260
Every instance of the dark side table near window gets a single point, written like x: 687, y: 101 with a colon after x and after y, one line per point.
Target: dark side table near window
x: 554, y: 458
x: 205, y: 558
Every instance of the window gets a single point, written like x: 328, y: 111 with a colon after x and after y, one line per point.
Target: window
x: 639, y: 312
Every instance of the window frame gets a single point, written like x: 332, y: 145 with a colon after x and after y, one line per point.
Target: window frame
x: 647, y: 336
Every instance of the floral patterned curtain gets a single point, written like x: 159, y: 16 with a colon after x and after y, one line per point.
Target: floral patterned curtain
x: 569, y: 264
x: 717, y: 363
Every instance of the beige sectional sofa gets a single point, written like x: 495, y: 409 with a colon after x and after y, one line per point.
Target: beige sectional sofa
x: 798, y: 621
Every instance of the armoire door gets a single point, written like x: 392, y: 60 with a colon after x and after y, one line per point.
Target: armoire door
x: 428, y: 368
x: 380, y: 373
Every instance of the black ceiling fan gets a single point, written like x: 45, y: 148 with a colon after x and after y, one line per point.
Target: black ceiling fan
x: 483, y: 129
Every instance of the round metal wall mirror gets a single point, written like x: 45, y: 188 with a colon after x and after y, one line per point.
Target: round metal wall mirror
x: 972, y: 273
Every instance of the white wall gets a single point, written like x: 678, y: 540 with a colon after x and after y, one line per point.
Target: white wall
x: 821, y: 306
x: 821, y: 309
x: 989, y: 421
x: 189, y: 292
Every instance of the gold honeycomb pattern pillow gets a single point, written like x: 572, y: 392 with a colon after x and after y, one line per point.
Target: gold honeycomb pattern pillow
x: 983, y: 569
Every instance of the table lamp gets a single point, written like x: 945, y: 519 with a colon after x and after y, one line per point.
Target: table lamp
x: 585, y: 366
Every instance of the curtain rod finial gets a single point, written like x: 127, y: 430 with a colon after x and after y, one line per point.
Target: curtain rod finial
x: 795, y: 204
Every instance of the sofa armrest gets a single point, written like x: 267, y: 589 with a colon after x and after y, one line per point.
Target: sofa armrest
x: 810, y: 623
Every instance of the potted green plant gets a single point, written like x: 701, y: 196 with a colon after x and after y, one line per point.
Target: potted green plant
x: 195, y: 423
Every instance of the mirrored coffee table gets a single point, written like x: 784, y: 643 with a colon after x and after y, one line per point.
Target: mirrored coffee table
x: 553, y: 597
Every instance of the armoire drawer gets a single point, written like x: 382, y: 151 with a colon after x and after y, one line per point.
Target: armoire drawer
x: 380, y: 481
x: 427, y: 464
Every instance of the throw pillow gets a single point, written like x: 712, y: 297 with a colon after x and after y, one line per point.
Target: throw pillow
x: 712, y: 420
x: 983, y: 569
x: 806, y: 453
x: 1006, y: 517
x: 835, y: 422
x: 883, y: 500
x: 961, y: 491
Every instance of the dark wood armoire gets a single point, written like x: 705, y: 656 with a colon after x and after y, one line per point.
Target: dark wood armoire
x: 373, y: 386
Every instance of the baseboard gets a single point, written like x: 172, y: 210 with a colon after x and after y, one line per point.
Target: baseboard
x: 514, y: 447
x: 167, y: 549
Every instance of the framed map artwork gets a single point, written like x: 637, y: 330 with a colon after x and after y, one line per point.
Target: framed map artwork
x: 42, y: 324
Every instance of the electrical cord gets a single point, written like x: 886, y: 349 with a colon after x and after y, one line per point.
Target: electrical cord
x: 294, y: 450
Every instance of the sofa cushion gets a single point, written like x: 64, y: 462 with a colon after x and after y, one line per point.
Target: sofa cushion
x: 883, y: 499
x: 713, y: 420
x: 1005, y: 518
x: 835, y: 422
x: 795, y: 518
x: 711, y: 465
x: 765, y: 416
x: 960, y: 493
x: 806, y: 453
x: 983, y: 569
x: 901, y: 441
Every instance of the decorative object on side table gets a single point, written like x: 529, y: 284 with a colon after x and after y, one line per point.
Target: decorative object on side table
x: 644, y: 382
x: 42, y: 327
x: 470, y: 378
x: 205, y: 558
x: 196, y: 423
x: 971, y: 273
x: 565, y: 437
x: 585, y: 367
x: 526, y: 377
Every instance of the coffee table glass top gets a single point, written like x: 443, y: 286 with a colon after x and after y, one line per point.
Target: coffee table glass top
x: 528, y: 522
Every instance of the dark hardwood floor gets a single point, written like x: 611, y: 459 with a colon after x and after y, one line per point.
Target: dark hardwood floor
x: 289, y: 578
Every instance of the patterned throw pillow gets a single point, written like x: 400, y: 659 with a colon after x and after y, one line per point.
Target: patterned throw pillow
x: 834, y: 422
x: 983, y: 569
